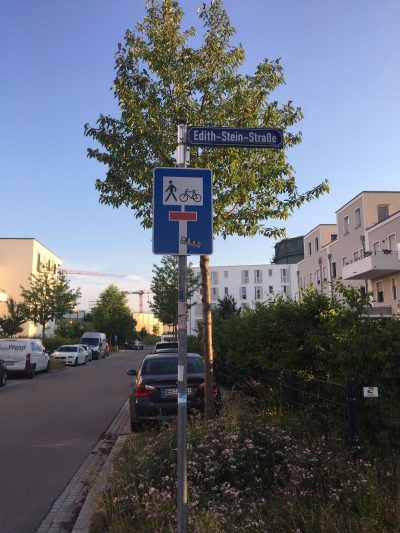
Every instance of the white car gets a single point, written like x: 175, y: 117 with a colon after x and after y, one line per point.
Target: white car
x: 71, y: 354
x: 24, y: 356
x: 89, y: 351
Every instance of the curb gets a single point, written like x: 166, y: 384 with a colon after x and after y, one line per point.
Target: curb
x: 73, y: 509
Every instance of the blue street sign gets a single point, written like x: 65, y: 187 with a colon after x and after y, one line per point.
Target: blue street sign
x: 182, y: 211
x: 239, y: 137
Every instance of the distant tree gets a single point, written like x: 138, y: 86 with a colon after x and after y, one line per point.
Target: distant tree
x: 143, y: 332
x: 73, y: 329
x: 156, y: 329
x: 11, y: 324
x: 112, y: 314
x: 164, y: 287
x: 48, y: 298
x: 227, y: 306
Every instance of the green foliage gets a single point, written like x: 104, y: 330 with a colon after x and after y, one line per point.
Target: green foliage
x: 48, y: 298
x: 112, y: 315
x: 72, y: 328
x: 162, y: 79
x: 52, y: 343
x: 164, y: 287
x: 11, y: 324
x: 227, y: 306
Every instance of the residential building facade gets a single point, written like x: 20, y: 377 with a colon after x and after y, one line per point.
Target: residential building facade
x: 19, y: 258
x: 248, y: 284
x: 362, y: 249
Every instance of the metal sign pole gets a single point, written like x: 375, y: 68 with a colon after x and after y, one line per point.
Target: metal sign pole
x: 182, y: 364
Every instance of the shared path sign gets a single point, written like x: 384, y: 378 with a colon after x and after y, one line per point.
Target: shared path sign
x: 239, y: 137
x: 182, y: 211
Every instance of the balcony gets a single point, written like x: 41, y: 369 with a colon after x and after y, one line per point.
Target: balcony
x: 372, y: 265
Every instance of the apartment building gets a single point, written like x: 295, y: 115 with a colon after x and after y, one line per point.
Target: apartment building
x: 248, y: 284
x: 362, y: 249
x: 19, y: 258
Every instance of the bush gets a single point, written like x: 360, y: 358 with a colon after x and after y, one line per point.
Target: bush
x: 52, y: 343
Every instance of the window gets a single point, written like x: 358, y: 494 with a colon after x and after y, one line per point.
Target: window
x: 258, y: 276
x: 243, y: 293
x: 355, y: 256
x: 309, y: 249
x: 316, y: 244
x: 383, y: 212
x: 394, y: 289
x: 357, y: 218
x: 245, y: 306
x: 214, y: 293
x: 225, y: 274
x: 245, y: 276
x: 375, y: 247
x: 333, y: 236
x: 392, y: 242
x: 317, y: 275
x: 284, y: 289
x: 344, y: 260
x: 258, y: 293
x: 284, y: 275
x: 214, y: 278
x: 379, y: 291
x: 324, y: 273
x: 270, y: 272
x: 226, y: 291
x: 38, y: 262
x: 346, y: 230
x: 270, y: 289
x: 55, y: 268
x: 333, y: 270
x: 198, y: 310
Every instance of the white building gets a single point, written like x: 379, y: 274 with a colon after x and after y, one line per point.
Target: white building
x: 248, y: 284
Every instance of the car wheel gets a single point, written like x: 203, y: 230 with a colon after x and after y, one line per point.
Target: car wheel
x: 76, y: 361
x: 32, y: 372
x: 47, y: 366
x: 3, y: 380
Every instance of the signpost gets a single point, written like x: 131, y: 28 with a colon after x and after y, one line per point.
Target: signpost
x: 182, y: 225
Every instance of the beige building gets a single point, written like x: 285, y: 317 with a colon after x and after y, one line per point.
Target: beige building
x: 362, y: 249
x: 148, y: 321
x: 19, y: 258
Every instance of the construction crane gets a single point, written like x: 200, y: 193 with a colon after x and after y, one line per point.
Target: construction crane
x: 140, y: 293
x: 62, y: 270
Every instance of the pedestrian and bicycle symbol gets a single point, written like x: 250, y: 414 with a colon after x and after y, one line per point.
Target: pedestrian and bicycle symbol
x: 182, y: 211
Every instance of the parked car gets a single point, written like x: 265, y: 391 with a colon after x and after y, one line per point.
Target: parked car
x: 3, y: 373
x: 71, y: 354
x: 24, y: 356
x: 165, y: 346
x: 97, y: 341
x: 134, y: 345
x: 154, y: 391
x: 89, y: 351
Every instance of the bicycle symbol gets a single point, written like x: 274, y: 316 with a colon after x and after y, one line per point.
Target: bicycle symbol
x: 190, y: 195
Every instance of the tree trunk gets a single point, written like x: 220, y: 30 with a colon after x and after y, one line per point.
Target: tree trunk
x: 207, y: 337
x: 43, y: 331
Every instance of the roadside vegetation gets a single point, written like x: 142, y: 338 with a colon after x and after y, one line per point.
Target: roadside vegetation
x: 250, y: 470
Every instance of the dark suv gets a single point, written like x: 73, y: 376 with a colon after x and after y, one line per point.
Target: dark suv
x: 155, y: 390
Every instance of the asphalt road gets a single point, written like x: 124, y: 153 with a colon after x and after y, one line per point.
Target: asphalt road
x: 48, y: 426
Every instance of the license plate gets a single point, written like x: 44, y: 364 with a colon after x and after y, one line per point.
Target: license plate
x: 174, y: 392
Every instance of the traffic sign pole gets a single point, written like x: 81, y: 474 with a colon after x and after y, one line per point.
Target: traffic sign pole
x: 182, y: 349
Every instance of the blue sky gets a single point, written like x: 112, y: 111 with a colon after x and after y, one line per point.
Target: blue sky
x: 57, y: 67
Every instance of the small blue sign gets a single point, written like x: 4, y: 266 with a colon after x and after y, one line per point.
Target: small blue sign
x: 182, y: 211
x: 239, y: 137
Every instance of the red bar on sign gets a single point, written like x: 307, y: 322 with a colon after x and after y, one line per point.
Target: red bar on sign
x: 182, y: 215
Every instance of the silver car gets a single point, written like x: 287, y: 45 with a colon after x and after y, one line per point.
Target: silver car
x: 71, y: 354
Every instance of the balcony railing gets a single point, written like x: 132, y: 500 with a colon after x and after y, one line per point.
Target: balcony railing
x: 372, y: 265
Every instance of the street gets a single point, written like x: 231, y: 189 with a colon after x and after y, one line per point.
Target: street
x: 48, y: 427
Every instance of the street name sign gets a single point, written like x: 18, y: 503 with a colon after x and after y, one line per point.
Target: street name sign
x: 239, y: 137
x: 182, y: 211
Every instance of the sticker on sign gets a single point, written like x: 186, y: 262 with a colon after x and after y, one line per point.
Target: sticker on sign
x: 370, y: 392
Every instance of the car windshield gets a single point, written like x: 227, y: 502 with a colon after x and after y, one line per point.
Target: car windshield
x: 92, y: 342
x: 166, y: 345
x: 67, y: 349
x: 169, y: 365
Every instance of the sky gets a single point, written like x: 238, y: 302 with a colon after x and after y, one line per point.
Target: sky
x: 57, y: 66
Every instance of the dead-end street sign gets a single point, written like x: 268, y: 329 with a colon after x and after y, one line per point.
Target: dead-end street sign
x: 239, y: 137
x: 182, y: 211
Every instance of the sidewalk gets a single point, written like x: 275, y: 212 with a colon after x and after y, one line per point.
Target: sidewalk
x: 73, y: 509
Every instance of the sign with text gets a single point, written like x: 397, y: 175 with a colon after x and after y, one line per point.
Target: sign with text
x: 182, y: 211
x: 370, y: 392
x: 239, y: 137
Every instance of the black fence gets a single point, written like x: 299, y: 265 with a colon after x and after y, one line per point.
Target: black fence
x: 339, y: 408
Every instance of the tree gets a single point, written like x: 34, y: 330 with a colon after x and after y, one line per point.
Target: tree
x: 164, y: 287
x: 112, y: 314
x: 48, y: 298
x: 11, y: 324
x: 227, y: 307
x: 161, y: 79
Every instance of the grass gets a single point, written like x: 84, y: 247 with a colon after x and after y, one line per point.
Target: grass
x: 248, y: 471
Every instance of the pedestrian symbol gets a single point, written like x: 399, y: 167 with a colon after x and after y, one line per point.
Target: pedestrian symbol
x: 171, y: 189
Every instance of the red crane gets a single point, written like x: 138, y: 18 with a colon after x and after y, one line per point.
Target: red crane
x: 140, y: 293
x: 88, y: 273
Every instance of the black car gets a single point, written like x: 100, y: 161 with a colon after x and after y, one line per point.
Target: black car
x: 3, y: 373
x: 154, y: 394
